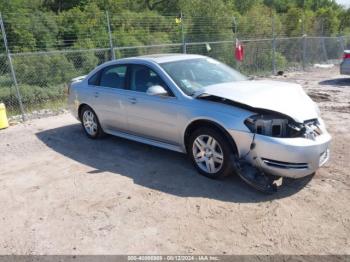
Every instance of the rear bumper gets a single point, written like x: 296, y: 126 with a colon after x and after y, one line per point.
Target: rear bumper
x: 73, y: 105
x: 289, y: 157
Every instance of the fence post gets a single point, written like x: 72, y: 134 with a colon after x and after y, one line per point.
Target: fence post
x: 13, y: 74
x: 273, y: 45
x: 234, y: 30
x: 183, y: 34
x: 341, y: 42
x: 323, y: 44
x: 304, y: 45
x: 304, y: 38
x: 110, y: 37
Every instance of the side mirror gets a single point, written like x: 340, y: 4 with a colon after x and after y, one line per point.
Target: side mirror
x: 156, y: 90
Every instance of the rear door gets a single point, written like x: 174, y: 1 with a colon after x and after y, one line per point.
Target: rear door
x: 109, y: 97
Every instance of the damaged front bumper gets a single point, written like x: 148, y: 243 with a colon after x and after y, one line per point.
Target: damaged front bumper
x: 285, y: 157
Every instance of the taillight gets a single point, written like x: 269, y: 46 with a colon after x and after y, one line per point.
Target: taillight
x: 346, y: 55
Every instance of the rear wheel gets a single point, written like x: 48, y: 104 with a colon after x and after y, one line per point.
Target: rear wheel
x: 90, y: 123
x: 210, y: 152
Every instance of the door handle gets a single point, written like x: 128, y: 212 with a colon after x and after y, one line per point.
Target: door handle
x: 132, y: 100
x: 96, y: 94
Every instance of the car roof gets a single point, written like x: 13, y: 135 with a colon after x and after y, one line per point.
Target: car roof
x: 155, y: 58
x: 162, y: 58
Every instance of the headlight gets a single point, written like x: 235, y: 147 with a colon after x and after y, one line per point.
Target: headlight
x: 268, y: 125
x: 278, y: 126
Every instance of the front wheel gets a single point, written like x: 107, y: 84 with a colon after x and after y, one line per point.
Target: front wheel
x: 210, y: 152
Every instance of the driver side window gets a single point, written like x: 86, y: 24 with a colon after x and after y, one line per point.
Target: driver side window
x: 142, y: 77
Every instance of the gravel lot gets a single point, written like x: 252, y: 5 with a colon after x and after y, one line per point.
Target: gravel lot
x: 62, y: 193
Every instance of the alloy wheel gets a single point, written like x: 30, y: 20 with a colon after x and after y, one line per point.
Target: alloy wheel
x: 208, y: 154
x: 90, y: 122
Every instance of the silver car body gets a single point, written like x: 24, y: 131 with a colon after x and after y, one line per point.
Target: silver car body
x: 162, y: 121
x: 345, y: 64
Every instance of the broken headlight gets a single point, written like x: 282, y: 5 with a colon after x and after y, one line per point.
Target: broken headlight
x: 278, y: 126
x: 312, y: 129
x: 267, y: 125
x: 275, y: 126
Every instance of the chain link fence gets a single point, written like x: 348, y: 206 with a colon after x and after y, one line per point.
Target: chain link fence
x: 42, y: 70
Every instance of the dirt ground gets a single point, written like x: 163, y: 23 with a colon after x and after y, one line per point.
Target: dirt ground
x: 62, y: 193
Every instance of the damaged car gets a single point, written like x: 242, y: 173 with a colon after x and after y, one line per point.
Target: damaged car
x: 258, y: 129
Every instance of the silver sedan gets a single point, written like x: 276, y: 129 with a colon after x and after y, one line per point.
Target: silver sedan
x: 196, y: 105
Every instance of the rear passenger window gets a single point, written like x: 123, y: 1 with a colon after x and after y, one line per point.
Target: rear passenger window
x: 113, y: 76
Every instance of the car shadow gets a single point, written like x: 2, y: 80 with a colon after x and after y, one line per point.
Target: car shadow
x: 155, y: 168
x: 339, y: 82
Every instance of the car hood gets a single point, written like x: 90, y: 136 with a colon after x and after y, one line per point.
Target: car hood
x: 286, y: 98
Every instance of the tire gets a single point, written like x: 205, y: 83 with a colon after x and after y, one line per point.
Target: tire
x: 211, y: 163
x: 90, y: 123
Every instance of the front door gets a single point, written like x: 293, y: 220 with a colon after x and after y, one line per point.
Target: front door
x: 151, y: 116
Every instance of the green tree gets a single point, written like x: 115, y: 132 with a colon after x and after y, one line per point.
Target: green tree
x: 83, y: 27
x: 327, y: 21
x: 344, y: 23
x: 62, y: 5
x: 205, y: 23
x: 293, y: 22
x: 43, y: 70
x: 257, y: 23
x: 244, y: 6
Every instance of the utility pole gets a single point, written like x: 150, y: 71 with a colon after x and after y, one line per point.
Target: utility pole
x: 13, y: 74
x: 110, y: 37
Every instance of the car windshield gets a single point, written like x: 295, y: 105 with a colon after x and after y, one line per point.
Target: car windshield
x: 193, y: 74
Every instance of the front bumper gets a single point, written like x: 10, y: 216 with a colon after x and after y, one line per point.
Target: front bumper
x: 286, y: 157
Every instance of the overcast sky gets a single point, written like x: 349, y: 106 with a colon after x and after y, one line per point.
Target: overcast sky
x: 344, y: 2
